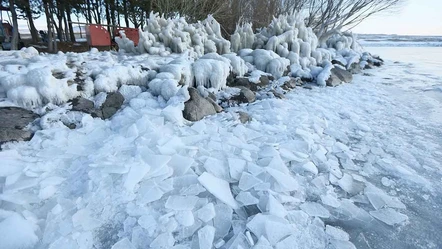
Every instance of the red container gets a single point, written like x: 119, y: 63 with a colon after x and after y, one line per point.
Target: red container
x: 97, y: 35
x: 131, y: 33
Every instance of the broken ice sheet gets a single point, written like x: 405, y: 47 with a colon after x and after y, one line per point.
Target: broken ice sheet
x: 219, y: 188
x: 206, y: 213
x: 248, y: 181
x: 181, y: 203
x: 246, y: 198
x: 236, y: 167
x: 378, y: 198
x: 315, y: 209
x: 206, y: 235
x: 123, y: 244
x: 389, y: 216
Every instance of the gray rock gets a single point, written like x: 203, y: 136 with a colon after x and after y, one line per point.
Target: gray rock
x: 114, y: 99
x: 111, y: 105
x: 277, y: 94
x: 342, y: 74
x: 244, y: 117
x: 333, y: 81
x: 13, y: 120
x: 339, y: 75
x: 291, y: 84
x: 82, y: 105
x: 245, y: 96
x: 197, y: 107
x: 240, y: 81
x: 264, y: 80
x: 218, y: 108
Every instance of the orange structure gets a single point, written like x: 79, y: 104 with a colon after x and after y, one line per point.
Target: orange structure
x: 97, y: 36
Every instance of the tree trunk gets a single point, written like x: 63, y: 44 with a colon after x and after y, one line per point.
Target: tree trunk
x: 71, y: 28
x: 89, y: 15
x: 49, y: 23
x: 66, y: 30
x: 126, y: 15
x: 112, y: 11
x: 108, y: 19
x: 14, y: 40
x: 34, y: 32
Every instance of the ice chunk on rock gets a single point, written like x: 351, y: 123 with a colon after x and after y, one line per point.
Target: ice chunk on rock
x: 219, y: 188
x: 180, y: 203
x: 123, y: 244
x: 206, y: 235
x: 16, y: 232
x: 315, y: 209
x: 389, y: 216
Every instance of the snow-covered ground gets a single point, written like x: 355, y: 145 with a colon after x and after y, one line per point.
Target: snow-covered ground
x: 358, y: 165
x: 381, y: 135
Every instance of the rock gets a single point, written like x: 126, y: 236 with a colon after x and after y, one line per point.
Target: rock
x: 244, y: 117
x: 277, y: 94
x: 112, y: 104
x: 264, y: 80
x: 290, y: 84
x: 82, y: 105
x: 218, y: 108
x: 308, y: 87
x: 244, y: 82
x: 13, y: 120
x: 342, y: 74
x: 245, y: 96
x: 368, y: 66
x: 212, y: 96
x: 197, y: 107
x: 339, y: 75
x: 336, y: 62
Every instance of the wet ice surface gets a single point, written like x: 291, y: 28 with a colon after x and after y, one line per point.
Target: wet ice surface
x: 360, y: 162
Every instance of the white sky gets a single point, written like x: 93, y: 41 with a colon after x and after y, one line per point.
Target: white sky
x: 416, y: 17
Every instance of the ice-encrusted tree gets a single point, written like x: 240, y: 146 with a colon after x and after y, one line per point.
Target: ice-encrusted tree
x: 328, y: 17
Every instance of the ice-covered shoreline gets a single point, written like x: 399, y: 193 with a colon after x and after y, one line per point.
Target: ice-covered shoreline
x: 302, y: 171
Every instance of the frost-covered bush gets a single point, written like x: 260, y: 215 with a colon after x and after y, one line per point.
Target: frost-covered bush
x: 163, y: 35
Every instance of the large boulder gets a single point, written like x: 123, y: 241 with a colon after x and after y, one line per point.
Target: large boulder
x: 197, y: 107
x: 13, y: 121
x: 112, y: 104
